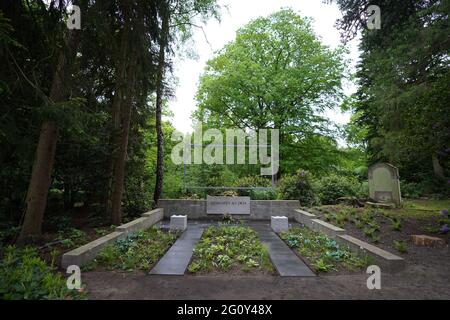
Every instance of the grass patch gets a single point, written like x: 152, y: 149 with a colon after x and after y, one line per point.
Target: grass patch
x: 230, y: 247
x: 323, y: 253
x: 138, y: 251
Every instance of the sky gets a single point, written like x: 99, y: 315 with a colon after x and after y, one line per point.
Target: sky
x: 237, y: 14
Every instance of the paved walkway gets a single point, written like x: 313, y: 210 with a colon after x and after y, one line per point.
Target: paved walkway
x: 287, y: 263
x: 176, y: 260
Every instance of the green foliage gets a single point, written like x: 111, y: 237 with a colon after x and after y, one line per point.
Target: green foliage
x: 400, y: 246
x: 227, y: 246
x: 72, y: 238
x: 138, y: 251
x: 298, y: 187
x: 323, y: 253
x: 23, y: 275
x: 401, y: 106
x: 331, y: 187
x: 396, y: 224
x: 277, y: 73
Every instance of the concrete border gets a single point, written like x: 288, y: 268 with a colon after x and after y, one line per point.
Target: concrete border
x: 86, y: 253
x: 387, y: 261
x: 259, y: 209
x: 147, y: 220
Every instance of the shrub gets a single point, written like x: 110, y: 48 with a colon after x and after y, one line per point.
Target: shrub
x: 24, y: 275
x: 332, y: 187
x: 411, y: 190
x: 297, y: 187
x: 251, y: 182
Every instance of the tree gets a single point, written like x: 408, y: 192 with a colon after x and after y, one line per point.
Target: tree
x: 36, y: 199
x: 276, y: 74
x: 177, y: 19
x: 403, y: 91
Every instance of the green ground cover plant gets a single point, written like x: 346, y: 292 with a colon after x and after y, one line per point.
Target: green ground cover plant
x: 138, y: 251
x: 24, y: 275
x: 229, y: 247
x: 322, y: 253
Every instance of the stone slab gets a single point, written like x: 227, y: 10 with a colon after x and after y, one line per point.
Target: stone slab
x: 287, y: 263
x: 427, y: 241
x: 84, y: 254
x: 227, y: 205
x: 304, y: 217
x: 142, y: 223
x: 330, y: 230
x: 177, y: 258
x: 387, y: 261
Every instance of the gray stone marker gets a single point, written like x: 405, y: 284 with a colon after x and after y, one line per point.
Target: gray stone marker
x: 178, y: 222
x: 227, y: 205
x: 279, y: 223
x: 384, y: 184
x: 177, y: 258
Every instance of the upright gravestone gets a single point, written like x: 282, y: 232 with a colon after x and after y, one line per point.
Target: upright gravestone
x: 384, y: 184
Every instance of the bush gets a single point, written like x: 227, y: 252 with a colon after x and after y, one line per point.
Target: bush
x: 411, y: 190
x: 24, y: 275
x: 298, y: 187
x: 333, y: 187
x: 256, y: 194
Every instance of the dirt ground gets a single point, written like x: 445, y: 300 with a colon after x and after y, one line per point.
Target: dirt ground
x: 426, y: 276
x: 422, y: 279
x: 416, y: 282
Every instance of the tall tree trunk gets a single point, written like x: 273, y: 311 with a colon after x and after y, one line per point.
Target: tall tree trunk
x: 36, y: 200
x: 125, y: 105
x: 159, y: 96
x: 121, y: 66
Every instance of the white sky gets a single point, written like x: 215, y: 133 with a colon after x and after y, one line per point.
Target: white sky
x: 239, y: 13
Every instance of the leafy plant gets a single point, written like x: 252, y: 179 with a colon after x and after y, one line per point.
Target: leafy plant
x: 400, y: 246
x: 24, y: 275
x: 230, y: 246
x: 298, y: 187
x: 324, y: 253
x: 332, y: 187
x: 138, y: 251
x: 396, y: 224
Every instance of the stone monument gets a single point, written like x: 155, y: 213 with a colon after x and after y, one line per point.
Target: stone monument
x: 384, y: 184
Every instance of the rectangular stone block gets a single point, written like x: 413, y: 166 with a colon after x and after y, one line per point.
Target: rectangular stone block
x: 158, y: 212
x: 142, y: 223
x: 178, y: 222
x: 84, y: 254
x: 387, y: 261
x: 327, y: 228
x: 279, y: 223
x: 304, y: 217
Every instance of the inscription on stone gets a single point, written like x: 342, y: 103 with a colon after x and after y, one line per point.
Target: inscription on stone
x: 227, y: 205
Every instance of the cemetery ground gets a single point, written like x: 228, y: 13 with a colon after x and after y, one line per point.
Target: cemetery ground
x: 121, y: 270
x: 426, y: 275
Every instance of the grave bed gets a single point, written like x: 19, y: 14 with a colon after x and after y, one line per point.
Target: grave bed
x: 136, y: 251
x: 394, y: 237
x: 322, y: 253
x: 232, y: 249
